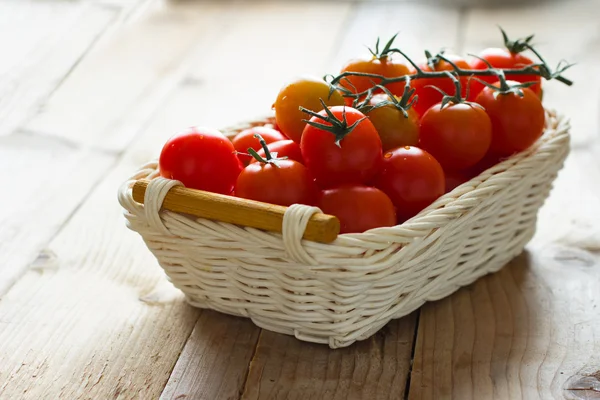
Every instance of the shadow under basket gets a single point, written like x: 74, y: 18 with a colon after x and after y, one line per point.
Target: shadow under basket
x: 340, y: 292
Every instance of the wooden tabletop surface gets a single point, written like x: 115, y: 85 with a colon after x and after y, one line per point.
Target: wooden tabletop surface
x: 90, y: 90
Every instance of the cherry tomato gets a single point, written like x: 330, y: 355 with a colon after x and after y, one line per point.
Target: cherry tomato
x: 359, y: 208
x: 245, y: 139
x: 394, y: 128
x: 389, y: 66
x: 283, y: 148
x: 201, y: 158
x: 412, y: 179
x: 275, y: 181
x: 457, y: 135
x: 486, y: 162
x: 346, y: 156
x: 302, y: 92
x: 503, y: 59
x: 429, y: 96
x: 455, y: 179
x: 517, y: 122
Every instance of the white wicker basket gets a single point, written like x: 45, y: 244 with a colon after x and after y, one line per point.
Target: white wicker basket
x: 347, y: 290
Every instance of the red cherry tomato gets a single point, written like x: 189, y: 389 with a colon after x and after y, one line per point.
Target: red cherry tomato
x: 201, y: 158
x: 517, y: 122
x: 283, y: 182
x: 412, y: 179
x: 455, y: 179
x: 283, y: 148
x: 354, y: 159
x: 359, y: 208
x: 457, y: 135
x: 503, y: 59
x: 429, y: 96
x: 245, y: 139
x: 487, y: 162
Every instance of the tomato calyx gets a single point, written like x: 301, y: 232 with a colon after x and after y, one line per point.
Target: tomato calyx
x: 504, y: 88
x: 516, y: 46
x: 457, y: 98
x: 269, y: 158
x: 339, y: 127
x: 403, y: 104
x: 432, y: 61
x: 386, y: 51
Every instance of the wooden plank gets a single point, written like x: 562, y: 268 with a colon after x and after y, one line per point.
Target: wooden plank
x: 373, y: 369
x: 214, y: 362
x: 49, y: 180
x: 94, y: 317
x: 128, y: 74
x: 530, y: 331
x: 99, y: 321
x: 45, y: 52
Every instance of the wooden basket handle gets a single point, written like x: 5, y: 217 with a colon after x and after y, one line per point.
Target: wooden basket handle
x: 321, y: 228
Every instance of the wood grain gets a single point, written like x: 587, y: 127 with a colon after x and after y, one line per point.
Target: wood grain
x: 46, y: 51
x: 214, y: 363
x: 531, y: 330
x: 128, y: 74
x: 99, y: 319
x: 41, y: 171
x: 377, y: 368
x: 321, y: 227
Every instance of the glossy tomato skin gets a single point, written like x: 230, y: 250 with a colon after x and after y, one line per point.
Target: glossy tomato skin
x: 503, y: 59
x: 283, y: 148
x: 412, y: 179
x: 245, y: 139
x: 301, y: 92
x: 355, y: 160
x: 517, y: 122
x: 457, y: 135
x: 395, y: 130
x: 429, y: 96
x: 388, y: 67
x: 289, y: 183
x: 455, y: 179
x: 359, y: 208
x: 201, y: 158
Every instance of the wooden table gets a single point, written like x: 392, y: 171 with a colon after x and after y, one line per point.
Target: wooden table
x: 89, y: 90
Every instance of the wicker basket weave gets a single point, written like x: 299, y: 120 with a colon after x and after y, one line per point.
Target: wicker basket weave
x: 345, y: 291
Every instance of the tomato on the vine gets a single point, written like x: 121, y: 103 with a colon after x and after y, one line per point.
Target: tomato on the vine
x: 340, y: 145
x: 510, y: 57
x: 201, y: 158
x: 359, y: 208
x: 388, y: 66
x: 385, y: 63
x: 516, y: 114
x: 428, y: 96
x: 394, y: 127
x: 412, y: 179
x: 283, y: 148
x: 458, y: 134
x: 304, y: 92
x: 276, y: 181
x: 246, y: 139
